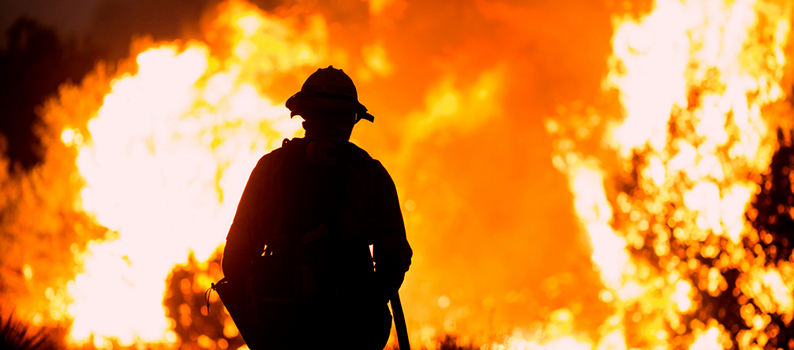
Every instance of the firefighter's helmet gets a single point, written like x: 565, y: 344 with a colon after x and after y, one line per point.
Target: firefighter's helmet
x: 328, y: 89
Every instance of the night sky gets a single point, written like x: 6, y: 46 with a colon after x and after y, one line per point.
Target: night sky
x: 68, y: 17
x: 523, y: 210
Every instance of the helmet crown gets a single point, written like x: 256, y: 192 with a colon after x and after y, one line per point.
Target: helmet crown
x: 328, y: 83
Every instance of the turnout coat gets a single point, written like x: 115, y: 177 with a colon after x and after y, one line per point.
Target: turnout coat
x: 319, y: 239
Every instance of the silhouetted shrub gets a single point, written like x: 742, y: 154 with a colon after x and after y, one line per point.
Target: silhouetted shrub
x: 15, y: 335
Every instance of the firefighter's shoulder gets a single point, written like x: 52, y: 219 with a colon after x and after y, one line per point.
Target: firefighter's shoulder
x: 356, y: 151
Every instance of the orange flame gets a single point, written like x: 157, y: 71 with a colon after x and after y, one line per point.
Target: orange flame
x: 694, y: 134
x: 662, y: 195
x: 167, y: 157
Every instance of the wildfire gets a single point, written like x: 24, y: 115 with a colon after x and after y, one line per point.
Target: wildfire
x: 164, y: 163
x: 694, y: 79
x: 667, y: 194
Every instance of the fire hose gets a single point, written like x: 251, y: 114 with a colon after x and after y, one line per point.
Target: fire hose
x: 399, y: 322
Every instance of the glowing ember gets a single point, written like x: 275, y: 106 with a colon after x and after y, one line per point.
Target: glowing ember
x: 164, y: 165
x: 693, y: 138
x: 669, y: 196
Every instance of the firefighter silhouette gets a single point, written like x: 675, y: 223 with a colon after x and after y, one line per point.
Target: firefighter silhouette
x: 317, y: 246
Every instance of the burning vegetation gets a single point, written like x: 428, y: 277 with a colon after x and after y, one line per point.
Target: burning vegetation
x: 691, y: 243
x: 670, y: 228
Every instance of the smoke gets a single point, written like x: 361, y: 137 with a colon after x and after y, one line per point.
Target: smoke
x: 114, y: 22
x: 459, y: 91
x: 488, y: 215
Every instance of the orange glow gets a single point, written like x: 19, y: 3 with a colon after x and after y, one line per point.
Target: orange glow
x: 170, y: 151
x: 695, y: 131
x: 639, y: 217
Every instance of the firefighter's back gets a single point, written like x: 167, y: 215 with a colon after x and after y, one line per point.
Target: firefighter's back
x: 321, y: 254
x: 315, y: 220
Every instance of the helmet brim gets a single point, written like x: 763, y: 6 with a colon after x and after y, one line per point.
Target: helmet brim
x: 303, y: 102
x: 365, y: 116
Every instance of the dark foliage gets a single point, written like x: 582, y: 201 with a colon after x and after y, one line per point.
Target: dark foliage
x: 32, y: 66
x: 15, y: 335
x: 188, y: 309
x: 770, y: 214
x: 775, y: 206
x: 450, y: 342
x: 775, y: 227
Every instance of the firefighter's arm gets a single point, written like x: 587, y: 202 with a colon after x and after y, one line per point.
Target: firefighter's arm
x: 392, y: 253
x: 239, y: 252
